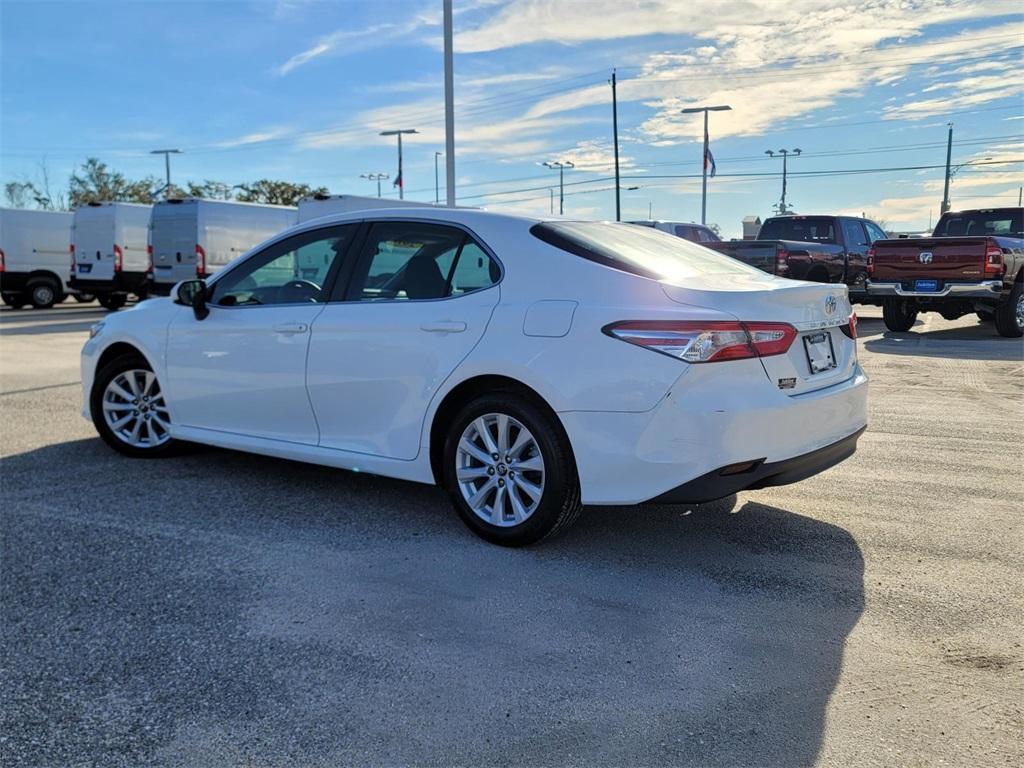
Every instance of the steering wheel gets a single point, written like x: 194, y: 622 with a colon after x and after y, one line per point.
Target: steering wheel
x: 299, y: 290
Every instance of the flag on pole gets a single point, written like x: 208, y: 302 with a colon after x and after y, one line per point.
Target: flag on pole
x: 398, y: 180
x: 709, y: 162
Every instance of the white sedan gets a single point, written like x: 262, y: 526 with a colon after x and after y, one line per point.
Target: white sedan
x: 528, y: 366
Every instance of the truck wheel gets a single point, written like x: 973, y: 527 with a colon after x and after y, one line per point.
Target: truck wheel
x: 42, y: 293
x: 1009, y: 315
x: 113, y: 301
x: 84, y: 298
x: 16, y: 300
x: 899, y: 314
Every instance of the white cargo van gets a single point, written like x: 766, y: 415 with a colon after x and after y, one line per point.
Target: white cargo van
x: 109, y: 251
x: 315, y: 206
x: 194, y: 237
x: 34, y: 257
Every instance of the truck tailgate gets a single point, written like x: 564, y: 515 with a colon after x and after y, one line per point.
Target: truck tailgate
x: 757, y: 253
x: 937, y: 258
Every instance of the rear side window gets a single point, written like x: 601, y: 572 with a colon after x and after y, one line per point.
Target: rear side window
x: 805, y: 229
x: 686, y: 233
x: 707, y: 236
x: 644, y: 252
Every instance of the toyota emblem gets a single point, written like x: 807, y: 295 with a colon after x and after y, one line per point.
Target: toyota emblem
x: 830, y: 304
x: 925, y: 257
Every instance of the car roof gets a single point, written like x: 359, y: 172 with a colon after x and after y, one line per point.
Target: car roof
x: 465, y: 216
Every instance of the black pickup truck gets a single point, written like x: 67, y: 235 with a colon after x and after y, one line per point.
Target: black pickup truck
x: 821, y: 249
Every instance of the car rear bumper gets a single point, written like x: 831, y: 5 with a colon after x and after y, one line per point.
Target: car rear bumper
x: 709, y: 421
x: 983, y: 289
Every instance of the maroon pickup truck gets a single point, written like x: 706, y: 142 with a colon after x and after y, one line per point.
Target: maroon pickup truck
x: 974, y: 262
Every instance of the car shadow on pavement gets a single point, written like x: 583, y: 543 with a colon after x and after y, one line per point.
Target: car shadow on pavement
x: 222, y: 608
x: 976, y: 342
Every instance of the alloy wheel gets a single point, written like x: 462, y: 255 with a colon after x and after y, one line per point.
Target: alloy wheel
x: 134, y: 409
x: 499, y: 469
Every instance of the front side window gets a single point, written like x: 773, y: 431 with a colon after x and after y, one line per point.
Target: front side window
x: 686, y: 233
x: 292, y: 271
x: 853, y: 232
x: 413, y: 261
x: 875, y: 232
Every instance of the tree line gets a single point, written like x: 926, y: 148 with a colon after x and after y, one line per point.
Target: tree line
x: 94, y: 181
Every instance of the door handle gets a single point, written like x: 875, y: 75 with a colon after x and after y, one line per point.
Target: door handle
x: 444, y: 326
x: 291, y: 328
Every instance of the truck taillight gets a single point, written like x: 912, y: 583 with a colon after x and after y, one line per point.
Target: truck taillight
x: 871, y: 261
x: 698, y: 341
x: 781, y: 261
x: 200, y: 262
x: 118, y: 258
x: 993, y: 259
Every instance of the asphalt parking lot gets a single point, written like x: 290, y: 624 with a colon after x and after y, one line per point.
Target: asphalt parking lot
x: 220, y: 609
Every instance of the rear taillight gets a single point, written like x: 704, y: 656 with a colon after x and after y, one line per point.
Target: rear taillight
x: 781, y: 261
x: 71, y: 250
x: 149, y: 257
x: 118, y: 258
x: 871, y: 261
x: 850, y: 329
x: 3, y: 261
x: 200, y: 262
x: 705, y: 342
x: 993, y: 259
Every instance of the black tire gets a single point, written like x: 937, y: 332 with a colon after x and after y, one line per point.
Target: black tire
x: 1009, y: 315
x: 43, y: 293
x: 104, y: 376
x: 113, y: 301
x: 84, y: 298
x: 985, y: 316
x: 899, y: 314
x: 16, y: 300
x: 559, y: 504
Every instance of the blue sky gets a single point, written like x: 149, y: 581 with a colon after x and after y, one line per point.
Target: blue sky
x: 299, y: 90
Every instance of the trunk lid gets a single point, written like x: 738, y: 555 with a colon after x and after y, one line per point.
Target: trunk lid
x: 818, y: 312
x: 930, y: 258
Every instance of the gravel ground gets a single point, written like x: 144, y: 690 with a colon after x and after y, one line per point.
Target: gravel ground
x: 220, y: 609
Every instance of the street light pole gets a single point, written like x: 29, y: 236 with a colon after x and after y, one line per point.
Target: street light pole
x: 704, y: 163
x: 437, y: 182
x: 167, y: 166
x: 783, y: 209
x: 399, y: 180
x: 615, y: 134
x: 949, y: 157
x: 449, y: 104
x: 561, y: 166
x: 374, y: 177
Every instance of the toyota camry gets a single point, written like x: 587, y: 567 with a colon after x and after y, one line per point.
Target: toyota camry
x: 529, y: 367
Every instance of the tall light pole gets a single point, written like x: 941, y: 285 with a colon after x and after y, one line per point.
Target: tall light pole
x: 374, y: 177
x: 167, y: 165
x: 704, y: 162
x: 615, y: 136
x: 783, y: 210
x: 561, y: 166
x: 449, y: 105
x: 437, y: 182
x: 949, y: 174
x: 399, y: 181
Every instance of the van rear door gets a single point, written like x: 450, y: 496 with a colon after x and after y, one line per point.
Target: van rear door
x: 174, y: 245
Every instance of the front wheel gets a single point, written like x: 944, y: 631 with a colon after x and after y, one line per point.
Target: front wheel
x: 899, y: 314
x: 84, y: 298
x: 43, y: 293
x: 129, y: 410
x: 16, y: 300
x: 509, y: 471
x: 1009, y: 315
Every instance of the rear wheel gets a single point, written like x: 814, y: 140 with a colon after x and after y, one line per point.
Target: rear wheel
x: 84, y: 298
x: 985, y: 316
x: 1009, y: 315
x: 509, y: 471
x: 899, y: 314
x: 43, y: 293
x: 113, y: 301
x: 128, y: 408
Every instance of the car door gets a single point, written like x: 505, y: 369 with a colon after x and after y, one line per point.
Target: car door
x: 419, y: 300
x: 857, y: 244
x: 242, y: 369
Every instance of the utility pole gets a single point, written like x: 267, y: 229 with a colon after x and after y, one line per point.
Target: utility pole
x: 399, y: 179
x: 449, y: 105
x: 615, y: 133
x: 783, y: 208
x: 561, y: 166
x: 707, y: 154
x: 949, y: 157
x: 437, y: 184
x: 167, y: 166
x: 374, y: 177
x: 551, y: 190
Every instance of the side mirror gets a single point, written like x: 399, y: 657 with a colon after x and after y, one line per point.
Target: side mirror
x: 192, y: 293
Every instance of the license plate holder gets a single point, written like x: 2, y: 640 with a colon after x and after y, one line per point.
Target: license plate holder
x: 821, y: 355
x: 926, y: 286
x: 85, y: 268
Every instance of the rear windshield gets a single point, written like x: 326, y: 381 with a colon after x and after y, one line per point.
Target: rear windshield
x: 645, y: 252
x: 1006, y: 222
x: 805, y: 229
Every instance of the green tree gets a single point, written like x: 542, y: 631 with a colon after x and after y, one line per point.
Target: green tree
x: 276, y: 192
x: 212, y: 190
x: 96, y: 182
x: 20, y: 194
